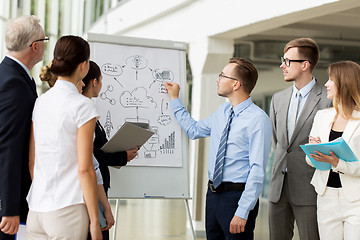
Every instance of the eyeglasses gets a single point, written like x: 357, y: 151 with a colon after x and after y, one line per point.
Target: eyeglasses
x: 39, y: 40
x: 288, y: 61
x: 224, y: 76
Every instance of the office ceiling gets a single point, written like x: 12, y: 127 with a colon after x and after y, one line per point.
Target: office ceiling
x: 333, y: 23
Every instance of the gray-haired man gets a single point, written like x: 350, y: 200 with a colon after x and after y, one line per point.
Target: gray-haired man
x: 24, y: 39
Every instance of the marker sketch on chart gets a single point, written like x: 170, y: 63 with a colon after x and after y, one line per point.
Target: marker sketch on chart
x: 112, y: 70
x: 154, y: 139
x: 133, y: 91
x: 104, y: 96
x: 108, y: 124
x: 138, y: 98
x: 162, y: 75
x: 164, y: 119
x: 137, y: 62
x: 168, y: 145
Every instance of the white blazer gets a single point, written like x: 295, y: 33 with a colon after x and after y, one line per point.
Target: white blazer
x: 349, y: 171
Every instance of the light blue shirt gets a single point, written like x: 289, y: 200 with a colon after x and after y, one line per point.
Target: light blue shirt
x: 304, y: 94
x: 247, y: 148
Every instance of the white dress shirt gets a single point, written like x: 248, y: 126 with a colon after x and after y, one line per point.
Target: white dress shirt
x: 304, y: 94
x: 57, y: 116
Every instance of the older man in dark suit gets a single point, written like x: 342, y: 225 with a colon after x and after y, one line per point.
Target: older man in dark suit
x: 24, y: 39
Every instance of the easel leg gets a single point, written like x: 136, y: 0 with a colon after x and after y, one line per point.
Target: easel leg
x: 190, y: 219
x: 116, y: 217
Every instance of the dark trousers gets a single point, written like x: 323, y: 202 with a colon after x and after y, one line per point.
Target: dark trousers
x: 220, y: 210
x: 4, y: 236
x: 105, y: 235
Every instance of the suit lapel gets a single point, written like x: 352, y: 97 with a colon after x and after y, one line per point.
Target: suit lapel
x: 351, y: 126
x: 308, y: 108
x: 29, y: 81
x: 326, y: 126
x: 286, y: 101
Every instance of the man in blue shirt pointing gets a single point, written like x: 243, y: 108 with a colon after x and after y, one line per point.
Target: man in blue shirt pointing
x: 240, y: 136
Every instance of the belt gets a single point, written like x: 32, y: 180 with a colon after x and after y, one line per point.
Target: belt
x: 226, y: 187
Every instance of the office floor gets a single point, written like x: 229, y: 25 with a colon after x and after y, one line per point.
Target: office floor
x: 166, y: 219
x: 152, y: 219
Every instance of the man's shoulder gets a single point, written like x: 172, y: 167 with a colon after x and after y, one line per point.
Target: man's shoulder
x: 257, y: 114
x: 10, y: 69
x: 320, y: 91
x: 281, y: 93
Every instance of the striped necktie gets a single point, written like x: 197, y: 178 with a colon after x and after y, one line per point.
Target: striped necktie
x: 220, y: 156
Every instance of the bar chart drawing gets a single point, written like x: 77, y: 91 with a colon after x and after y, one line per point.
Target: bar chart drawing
x: 169, y: 144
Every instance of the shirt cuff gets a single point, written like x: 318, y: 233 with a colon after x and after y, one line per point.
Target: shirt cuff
x: 242, y: 213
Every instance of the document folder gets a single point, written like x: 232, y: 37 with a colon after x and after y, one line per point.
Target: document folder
x: 102, y: 216
x: 338, y: 146
x: 130, y: 135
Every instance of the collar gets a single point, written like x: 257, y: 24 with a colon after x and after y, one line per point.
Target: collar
x: 66, y: 85
x: 242, y: 106
x: 21, y: 64
x: 306, y: 89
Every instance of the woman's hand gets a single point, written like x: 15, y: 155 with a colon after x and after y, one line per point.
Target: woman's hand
x: 320, y: 157
x: 131, y: 154
x: 109, y: 219
x: 314, y: 140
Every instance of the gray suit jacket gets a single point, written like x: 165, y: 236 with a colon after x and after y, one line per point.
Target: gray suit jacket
x: 287, y: 153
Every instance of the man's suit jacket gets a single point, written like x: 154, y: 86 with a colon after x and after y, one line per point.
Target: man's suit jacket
x: 288, y: 156
x: 17, y: 98
x: 349, y: 172
x: 106, y: 159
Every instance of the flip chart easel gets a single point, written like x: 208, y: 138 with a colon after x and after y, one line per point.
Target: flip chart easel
x: 134, y: 71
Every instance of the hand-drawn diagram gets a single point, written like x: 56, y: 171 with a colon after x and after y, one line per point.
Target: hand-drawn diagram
x: 112, y: 70
x: 169, y: 145
x: 133, y: 88
x: 138, y: 98
x: 104, y: 96
x: 108, y: 124
x: 162, y: 75
x: 150, y: 153
x: 137, y: 62
x: 164, y: 119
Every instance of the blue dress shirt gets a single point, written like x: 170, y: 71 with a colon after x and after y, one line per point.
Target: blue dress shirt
x: 248, y: 145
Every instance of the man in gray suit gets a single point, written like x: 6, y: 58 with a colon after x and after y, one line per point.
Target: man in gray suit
x: 291, y: 196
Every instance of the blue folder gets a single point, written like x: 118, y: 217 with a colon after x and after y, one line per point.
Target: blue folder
x: 338, y: 146
x: 101, y: 216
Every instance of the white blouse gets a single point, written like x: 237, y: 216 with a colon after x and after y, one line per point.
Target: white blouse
x: 57, y: 116
x: 99, y: 178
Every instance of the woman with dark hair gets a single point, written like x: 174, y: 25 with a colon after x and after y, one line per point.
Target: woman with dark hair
x: 93, y: 84
x: 60, y: 158
x: 338, y: 189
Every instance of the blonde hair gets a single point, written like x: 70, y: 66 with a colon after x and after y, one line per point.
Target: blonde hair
x: 346, y: 77
x: 47, y: 76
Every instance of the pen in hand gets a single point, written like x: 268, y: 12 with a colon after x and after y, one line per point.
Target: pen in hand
x: 314, y: 140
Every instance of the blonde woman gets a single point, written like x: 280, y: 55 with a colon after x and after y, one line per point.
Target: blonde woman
x: 338, y: 189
